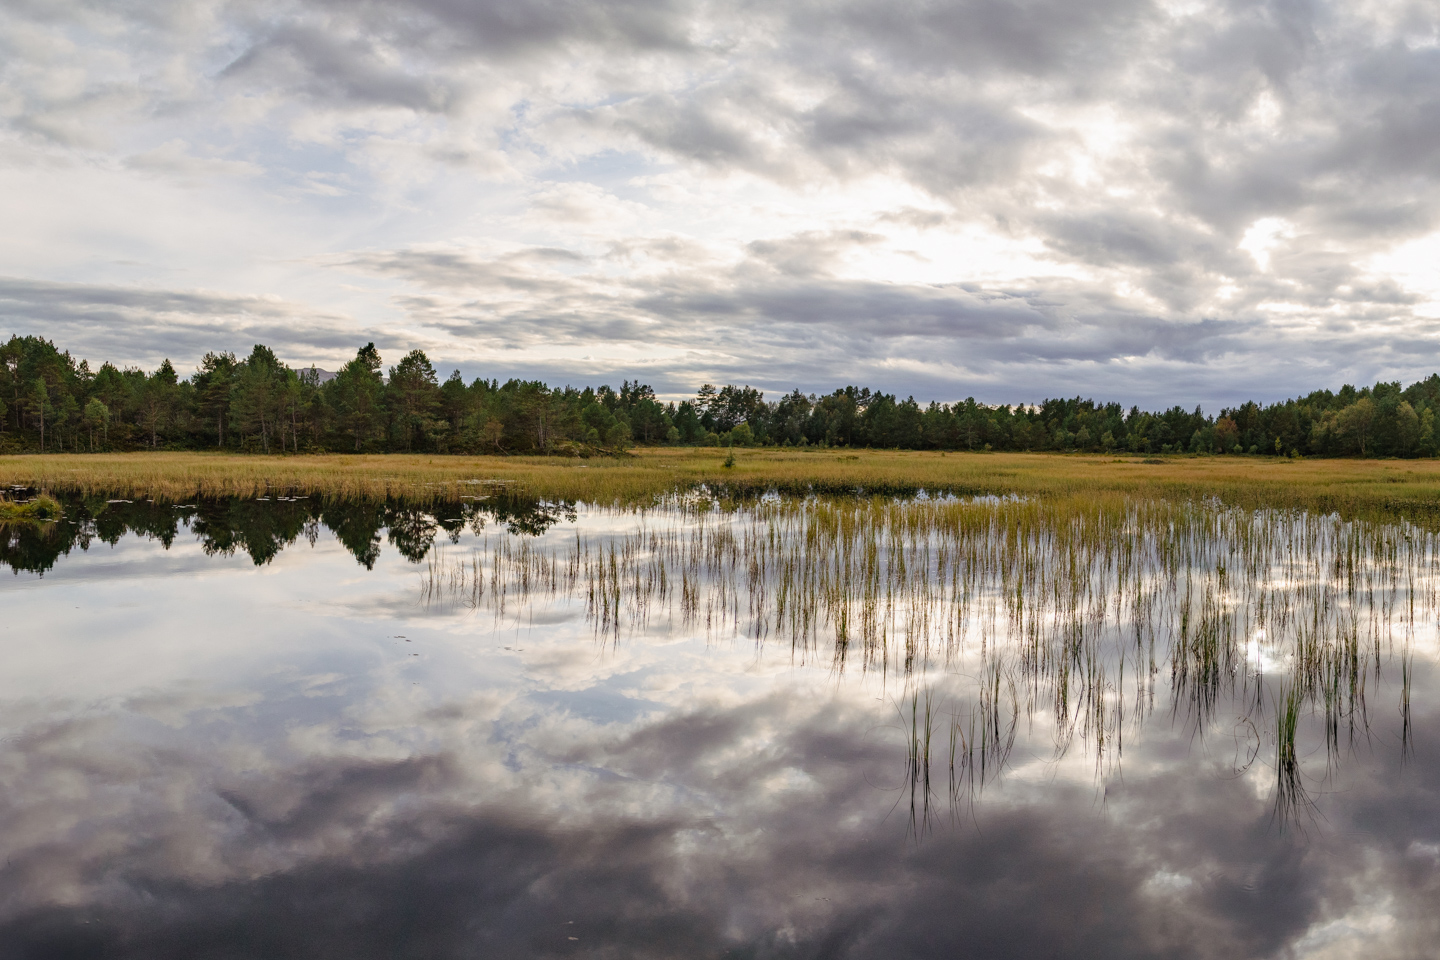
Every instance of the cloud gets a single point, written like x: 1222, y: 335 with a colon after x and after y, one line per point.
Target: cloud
x: 804, y: 325
x: 1005, y: 199
x: 449, y: 853
x: 145, y: 325
x: 311, y: 60
x: 175, y: 158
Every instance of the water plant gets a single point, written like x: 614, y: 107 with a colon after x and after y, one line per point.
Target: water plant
x: 1062, y: 614
x: 37, y: 509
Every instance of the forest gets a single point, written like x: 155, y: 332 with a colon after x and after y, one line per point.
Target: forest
x: 49, y: 402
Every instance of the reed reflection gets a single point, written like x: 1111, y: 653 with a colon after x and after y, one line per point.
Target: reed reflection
x: 1061, y: 613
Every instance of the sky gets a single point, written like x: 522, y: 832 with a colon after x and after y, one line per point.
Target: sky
x: 1152, y: 203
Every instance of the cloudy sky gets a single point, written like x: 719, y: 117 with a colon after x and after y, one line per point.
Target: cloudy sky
x: 1190, y: 202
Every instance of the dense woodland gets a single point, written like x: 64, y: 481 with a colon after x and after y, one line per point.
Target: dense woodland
x: 51, y: 402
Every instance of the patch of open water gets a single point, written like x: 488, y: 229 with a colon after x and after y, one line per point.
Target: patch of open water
x: 788, y: 729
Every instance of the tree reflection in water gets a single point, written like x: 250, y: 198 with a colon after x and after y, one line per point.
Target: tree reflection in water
x: 261, y: 527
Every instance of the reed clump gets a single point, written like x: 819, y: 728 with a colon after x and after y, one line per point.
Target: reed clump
x: 34, y: 510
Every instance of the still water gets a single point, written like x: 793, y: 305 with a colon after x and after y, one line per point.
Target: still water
x: 780, y: 728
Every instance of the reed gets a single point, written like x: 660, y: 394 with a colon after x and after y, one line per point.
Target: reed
x: 37, y: 509
x: 917, y: 761
x: 1064, y: 591
x: 1356, y: 489
x: 1291, y: 796
x: 1063, y: 613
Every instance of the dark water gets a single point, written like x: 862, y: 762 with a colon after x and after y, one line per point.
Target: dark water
x: 292, y: 728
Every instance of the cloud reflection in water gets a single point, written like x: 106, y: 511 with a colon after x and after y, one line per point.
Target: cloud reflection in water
x: 345, y: 771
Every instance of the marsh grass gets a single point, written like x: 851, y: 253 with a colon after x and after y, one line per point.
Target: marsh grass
x: 36, y: 509
x: 1355, y: 489
x: 1072, y: 614
x: 1291, y: 796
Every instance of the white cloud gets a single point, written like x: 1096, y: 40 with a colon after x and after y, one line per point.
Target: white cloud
x: 1264, y: 236
x: 1144, y: 177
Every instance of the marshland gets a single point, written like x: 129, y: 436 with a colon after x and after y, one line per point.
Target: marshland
x: 686, y: 480
x: 845, y: 689
x: 1382, y: 488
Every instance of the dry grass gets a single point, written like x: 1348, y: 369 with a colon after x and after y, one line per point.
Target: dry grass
x: 1409, y: 488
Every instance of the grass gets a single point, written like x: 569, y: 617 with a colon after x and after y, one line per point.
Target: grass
x: 1352, y: 488
x: 36, y: 510
x: 1063, y: 611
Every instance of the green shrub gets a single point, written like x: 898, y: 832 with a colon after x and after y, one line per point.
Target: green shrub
x: 43, y: 507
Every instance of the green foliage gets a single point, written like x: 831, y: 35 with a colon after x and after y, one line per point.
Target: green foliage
x: 97, y: 417
x: 214, y: 383
x: 260, y: 399
x: 43, y: 507
x: 50, y: 402
x: 415, y: 402
x: 357, y: 399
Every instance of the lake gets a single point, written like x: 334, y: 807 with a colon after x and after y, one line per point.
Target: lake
x: 768, y: 727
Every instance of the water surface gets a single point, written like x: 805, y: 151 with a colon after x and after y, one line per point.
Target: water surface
x: 288, y: 727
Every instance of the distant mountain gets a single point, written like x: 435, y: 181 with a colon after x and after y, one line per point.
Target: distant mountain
x: 325, y: 375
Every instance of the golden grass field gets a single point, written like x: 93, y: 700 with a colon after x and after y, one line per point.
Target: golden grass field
x: 1408, y: 488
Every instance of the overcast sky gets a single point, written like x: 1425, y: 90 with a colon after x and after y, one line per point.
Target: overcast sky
x: 1156, y: 203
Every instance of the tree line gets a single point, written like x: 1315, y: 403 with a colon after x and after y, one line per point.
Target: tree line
x: 50, y: 402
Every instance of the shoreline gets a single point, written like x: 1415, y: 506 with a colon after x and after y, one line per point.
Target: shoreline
x: 1394, y: 488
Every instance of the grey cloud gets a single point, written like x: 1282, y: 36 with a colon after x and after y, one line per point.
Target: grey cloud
x: 1033, y: 37
x: 977, y: 150
x: 76, y: 298
x: 789, y: 288
x: 418, y: 856
x: 1315, y: 113
x: 327, y: 68
x: 510, y: 28
x: 1398, y: 138
x: 416, y: 54
x: 1112, y: 237
x: 717, y: 129
x: 945, y: 139
x: 1353, y: 110
x: 1271, y: 41
x: 873, y: 309
x: 453, y: 269
x: 803, y: 326
x: 810, y: 253
x: 139, y: 325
